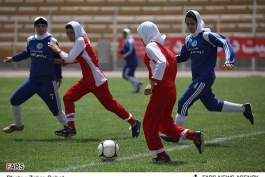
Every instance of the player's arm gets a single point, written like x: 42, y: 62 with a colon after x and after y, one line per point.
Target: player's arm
x: 58, y: 72
x: 25, y: 54
x: 184, y: 54
x: 57, y: 66
x: 158, y: 61
x: 221, y: 41
x: 74, y: 52
x: 123, y: 50
x: 130, y: 45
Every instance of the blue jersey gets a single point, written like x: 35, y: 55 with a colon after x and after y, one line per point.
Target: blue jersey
x: 202, y: 50
x: 129, y: 53
x: 42, y: 68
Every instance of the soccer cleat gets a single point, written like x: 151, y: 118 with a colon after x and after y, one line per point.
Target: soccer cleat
x: 12, y: 127
x: 248, y: 113
x: 168, y: 139
x: 139, y: 85
x: 136, y: 129
x: 199, y: 141
x: 67, y: 132
x: 160, y: 159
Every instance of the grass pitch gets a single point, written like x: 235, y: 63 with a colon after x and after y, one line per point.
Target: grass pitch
x: 232, y: 143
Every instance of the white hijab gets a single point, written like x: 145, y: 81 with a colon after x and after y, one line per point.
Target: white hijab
x: 79, y: 30
x: 200, y: 24
x: 128, y: 35
x: 46, y: 34
x: 149, y: 32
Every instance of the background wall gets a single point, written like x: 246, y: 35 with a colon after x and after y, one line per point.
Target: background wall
x: 104, y: 21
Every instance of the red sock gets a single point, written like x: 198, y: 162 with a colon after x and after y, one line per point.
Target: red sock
x: 162, y: 154
x: 71, y: 121
x: 190, y: 135
x: 71, y: 124
x: 132, y: 121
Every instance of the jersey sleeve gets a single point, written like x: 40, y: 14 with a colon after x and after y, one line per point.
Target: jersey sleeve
x: 78, y: 47
x: 130, y: 45
x: 221, y: 41
x: 158, y: 63
x: 25, y: 54
x: 184, y: 53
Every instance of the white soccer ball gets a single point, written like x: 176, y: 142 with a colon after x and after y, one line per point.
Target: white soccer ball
x: 108, y: 150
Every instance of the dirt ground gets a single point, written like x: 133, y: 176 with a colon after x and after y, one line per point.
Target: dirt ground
x: 77, y: 73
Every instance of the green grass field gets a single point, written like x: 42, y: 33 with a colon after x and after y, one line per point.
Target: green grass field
x: 232, y: 143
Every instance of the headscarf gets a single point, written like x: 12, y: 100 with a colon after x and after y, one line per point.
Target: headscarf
x: 200, y: 24
x: 149, y: 32
x: 128, y: 35
x: 41, y: 20
x: 79, y: 30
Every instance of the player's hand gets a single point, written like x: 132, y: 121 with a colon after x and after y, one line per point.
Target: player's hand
x: 8, y: 59
x: 57, y: 61
x: 229, y: 66
x: 148, y: 89
x: 59, y: 82
x: 53, y: 46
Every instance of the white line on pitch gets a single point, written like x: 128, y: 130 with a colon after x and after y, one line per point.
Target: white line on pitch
x: 217, y: 140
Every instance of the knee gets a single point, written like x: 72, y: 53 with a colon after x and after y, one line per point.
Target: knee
x: 126, y: 77
x: 181, y: 102
x: 55, y: 113
x: 210, y: 107
x: 14, y: 102
x: 66, y: 97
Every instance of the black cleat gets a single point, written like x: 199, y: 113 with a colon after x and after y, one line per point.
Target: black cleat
x: 159, y: 159
x: 248, y: 113
x: 168, y: 139
x: 136, y: 129
x: 199, y: 141
x: 66, y: 132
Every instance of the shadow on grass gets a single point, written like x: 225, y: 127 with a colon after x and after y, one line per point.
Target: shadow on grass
x: 172, y: 163
x: 68, y: 140
x: 85, y: 140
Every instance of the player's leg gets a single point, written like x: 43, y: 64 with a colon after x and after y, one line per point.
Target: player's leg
x: 73, y: 94
x: 136, y: 82
x: 48, y: 92
x: 106, y: 99
x: 128, y: 74
x: 153, y: 116
x: 195, y: 90
x: 22, y: 94
x: 214, y: 104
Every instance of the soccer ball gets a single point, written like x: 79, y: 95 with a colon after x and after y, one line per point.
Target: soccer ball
x: 108, y: 150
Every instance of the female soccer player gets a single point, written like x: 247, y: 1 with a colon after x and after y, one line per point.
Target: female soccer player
x: 131, y: 60
x: 201, y: 47
x: 162, y: 68
x: 43, y: 78
x: 93, y: 81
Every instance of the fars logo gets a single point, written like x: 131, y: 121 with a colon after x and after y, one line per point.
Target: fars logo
x: 39, y: 45
x: 15, y: 166
x: 194, y: 43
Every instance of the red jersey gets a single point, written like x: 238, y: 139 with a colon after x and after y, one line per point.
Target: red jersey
x: 161, y: 64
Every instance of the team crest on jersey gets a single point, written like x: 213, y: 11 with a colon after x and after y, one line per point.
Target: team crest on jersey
x: 39, y: 45
x: 194, y: 43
